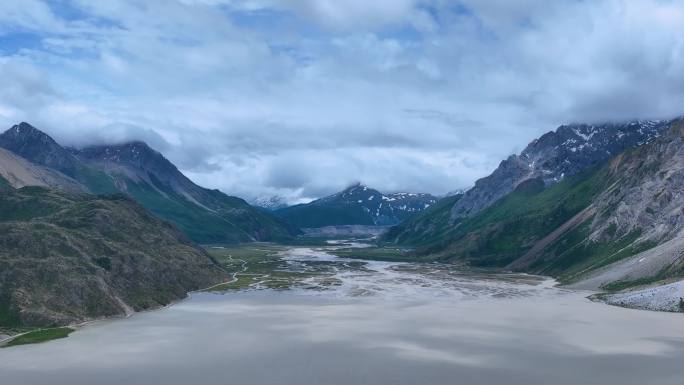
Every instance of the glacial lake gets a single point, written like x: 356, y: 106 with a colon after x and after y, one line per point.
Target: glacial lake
x: 353, y: 322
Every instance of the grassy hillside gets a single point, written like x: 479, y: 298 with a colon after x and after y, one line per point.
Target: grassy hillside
x: 602, y: 217
x: 428, y: 226
x: 504, y: 231
x: 67, y: 258
x: 230, y: 220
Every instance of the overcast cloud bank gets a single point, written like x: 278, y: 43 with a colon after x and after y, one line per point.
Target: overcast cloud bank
x: 301, y: 98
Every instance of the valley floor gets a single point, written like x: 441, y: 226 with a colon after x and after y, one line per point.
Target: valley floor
x: 301, y: 315
x: 317, y: 266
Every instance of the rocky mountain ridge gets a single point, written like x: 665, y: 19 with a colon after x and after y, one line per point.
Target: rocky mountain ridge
x: 551, y: 158
x: 144, y: 174
x: 555, y: 155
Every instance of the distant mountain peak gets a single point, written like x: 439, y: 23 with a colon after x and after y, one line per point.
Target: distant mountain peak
x: 357, y: 204
x: 38, y: 147
x: 24, y: 132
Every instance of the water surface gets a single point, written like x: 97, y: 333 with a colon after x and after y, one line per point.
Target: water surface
x: 352, y: 322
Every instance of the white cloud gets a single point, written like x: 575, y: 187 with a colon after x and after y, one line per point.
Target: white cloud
x: 300, y: 98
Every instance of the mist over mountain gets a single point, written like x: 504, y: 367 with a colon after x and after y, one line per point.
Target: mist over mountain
x: 144, y: 174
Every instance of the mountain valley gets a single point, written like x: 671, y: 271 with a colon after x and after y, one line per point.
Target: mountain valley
x: 78, y: 242
x: 611, y: 225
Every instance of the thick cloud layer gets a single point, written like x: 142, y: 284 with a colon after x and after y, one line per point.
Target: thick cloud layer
x: 302, y: 97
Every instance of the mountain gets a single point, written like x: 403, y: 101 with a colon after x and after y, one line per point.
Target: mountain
x: 556, y: 155
x: 612, y: 226
x: 34, y: 145
x: 553, y: 157
x: 67, y: 258
x: 39, y: 148
x: 356, y: 205
x: 207, y: 216
x: 634, y: 229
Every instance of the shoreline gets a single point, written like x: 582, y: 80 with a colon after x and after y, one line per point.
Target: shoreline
x: 602, y: 297
x: 86, y: 323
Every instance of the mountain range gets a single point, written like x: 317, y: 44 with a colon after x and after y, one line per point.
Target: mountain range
x: 83, y: 232
x: 135, y: 169
x: 110, y: 229
x: 356, y: 205
x: 553, y: 157
x: 610, y: 219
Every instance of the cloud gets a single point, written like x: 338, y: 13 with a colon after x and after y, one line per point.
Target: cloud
x: 301, y: 98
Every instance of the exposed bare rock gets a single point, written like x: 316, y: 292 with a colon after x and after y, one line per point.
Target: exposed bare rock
x: 556, y: 155
x: 19, y: 172
x: 669, y: 297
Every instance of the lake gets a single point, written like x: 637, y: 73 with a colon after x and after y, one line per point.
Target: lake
x: 352, y: 322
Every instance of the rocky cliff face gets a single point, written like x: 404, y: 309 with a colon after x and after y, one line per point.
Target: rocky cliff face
x: 614, y: 226
x: 641, y: 210
x: 138, y: 162
x: 357, y: 205
x: 556, y: 155
x: 552, y: 158
x: 67, y: 258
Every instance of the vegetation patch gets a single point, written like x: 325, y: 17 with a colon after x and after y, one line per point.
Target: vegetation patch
x: 103, y: 262
x: 579, y: 258
x: 507, y: 229
x: 8, y: 317
x: 39, y: 336
x: 628, y: 284
x: 426, y: 227
x: 256, y: 266
x: 239, y: 283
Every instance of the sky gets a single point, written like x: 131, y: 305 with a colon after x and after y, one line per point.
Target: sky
x: 300, y: 98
